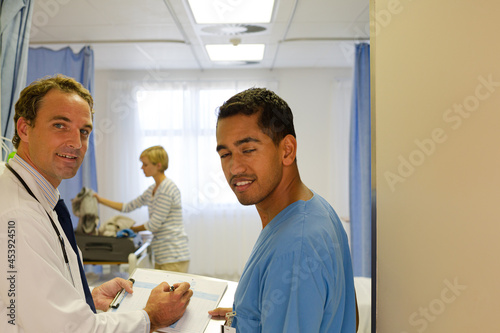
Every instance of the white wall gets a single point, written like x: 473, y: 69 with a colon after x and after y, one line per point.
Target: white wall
x: 437, y: 93
x: 309, y: 92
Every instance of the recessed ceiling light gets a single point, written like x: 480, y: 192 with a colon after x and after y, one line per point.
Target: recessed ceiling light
x: 232, y: 29
x: 240, y: 11
x: 241, y: 52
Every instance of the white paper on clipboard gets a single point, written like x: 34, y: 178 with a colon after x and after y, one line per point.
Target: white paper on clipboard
x: 207, y: 293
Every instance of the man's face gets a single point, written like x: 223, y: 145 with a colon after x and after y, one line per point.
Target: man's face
x: 250, y: 160
x: 56, y: 145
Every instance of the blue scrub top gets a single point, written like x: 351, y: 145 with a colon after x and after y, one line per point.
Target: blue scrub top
x: 299, y: 275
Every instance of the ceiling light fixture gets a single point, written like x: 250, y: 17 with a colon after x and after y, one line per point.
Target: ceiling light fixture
x: 237, y: 52
x: 232, y: 29
x: 231, y: 11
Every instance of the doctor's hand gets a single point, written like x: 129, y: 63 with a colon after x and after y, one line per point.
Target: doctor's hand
x: 165, y: 307
x: 104, y: 294
x: 220, y: 313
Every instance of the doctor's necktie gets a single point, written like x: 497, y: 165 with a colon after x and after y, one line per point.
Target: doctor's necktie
x: 65, y: 221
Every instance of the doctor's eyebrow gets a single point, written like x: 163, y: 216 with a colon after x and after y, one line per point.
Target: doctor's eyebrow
x: 88, y: 126
x: 239, y: 143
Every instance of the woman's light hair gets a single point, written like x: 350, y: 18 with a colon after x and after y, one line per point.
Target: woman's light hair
x: 155, y: 155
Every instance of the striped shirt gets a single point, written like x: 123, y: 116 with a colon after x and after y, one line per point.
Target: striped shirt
x: 170, y: 241
x: 49, y: 192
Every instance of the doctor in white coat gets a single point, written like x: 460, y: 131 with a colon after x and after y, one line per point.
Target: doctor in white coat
x: 41, y: 289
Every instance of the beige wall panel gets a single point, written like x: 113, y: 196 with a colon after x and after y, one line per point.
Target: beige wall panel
x: 436, y: 72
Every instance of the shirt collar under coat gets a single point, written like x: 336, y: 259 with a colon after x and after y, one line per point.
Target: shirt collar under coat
x: 50, y: 193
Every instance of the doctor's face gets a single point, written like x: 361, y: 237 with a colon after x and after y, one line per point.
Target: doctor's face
x: 249, y: 159
x: 57, y: 140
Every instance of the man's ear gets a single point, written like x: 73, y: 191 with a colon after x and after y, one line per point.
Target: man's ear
x: 289, y: 146
x: 22, y: 128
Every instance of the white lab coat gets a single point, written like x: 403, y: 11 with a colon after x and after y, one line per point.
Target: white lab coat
x: 36, y: 291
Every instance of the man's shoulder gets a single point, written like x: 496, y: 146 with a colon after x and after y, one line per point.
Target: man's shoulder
x: 316, y: 208
x: 309, y: 225
x: 13, y: 198
x: 10, y: 191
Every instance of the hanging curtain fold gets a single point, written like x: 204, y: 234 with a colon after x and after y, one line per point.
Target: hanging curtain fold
x: 15, y: 24
x: 360, y: 164
x: 80, y: 66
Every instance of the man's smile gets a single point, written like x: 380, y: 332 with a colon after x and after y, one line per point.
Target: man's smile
x: 66, y: 156
x: 241, y: 185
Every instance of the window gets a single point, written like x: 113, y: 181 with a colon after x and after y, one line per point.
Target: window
x: 182, y: 118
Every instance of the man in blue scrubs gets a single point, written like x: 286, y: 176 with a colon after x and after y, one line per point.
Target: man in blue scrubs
x: 299, y: 275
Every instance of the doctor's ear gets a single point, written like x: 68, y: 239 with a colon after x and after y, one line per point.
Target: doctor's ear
x: 289, y: 146
x: 22, y: 127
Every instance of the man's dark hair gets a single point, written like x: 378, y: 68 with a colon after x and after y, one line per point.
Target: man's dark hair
x: 276, y: 118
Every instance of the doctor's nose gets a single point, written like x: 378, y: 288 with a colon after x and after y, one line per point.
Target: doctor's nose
x: 74, y: 140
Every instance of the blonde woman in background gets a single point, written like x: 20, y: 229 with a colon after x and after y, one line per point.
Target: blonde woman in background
x: 163, y: 199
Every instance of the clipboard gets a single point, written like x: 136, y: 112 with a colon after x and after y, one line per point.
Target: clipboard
x: 207, y: 293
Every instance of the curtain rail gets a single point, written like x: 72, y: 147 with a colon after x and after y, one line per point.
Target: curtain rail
x: 177, y: 41
x: 326, y: 39
x: 109, y: 41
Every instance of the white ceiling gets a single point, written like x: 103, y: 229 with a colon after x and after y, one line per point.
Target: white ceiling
x: 162, y: 34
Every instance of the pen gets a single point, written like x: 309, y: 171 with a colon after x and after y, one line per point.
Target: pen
x: 172, y: 288
x: 114, y: 303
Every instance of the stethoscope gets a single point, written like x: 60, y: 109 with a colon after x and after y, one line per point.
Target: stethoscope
x: 61, y: 240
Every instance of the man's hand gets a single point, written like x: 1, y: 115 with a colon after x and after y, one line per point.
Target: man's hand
x: 165, y: 307
x: 104, y: 294
x: 219, y: 313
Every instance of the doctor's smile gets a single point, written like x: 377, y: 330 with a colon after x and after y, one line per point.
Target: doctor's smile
x: 66, y: 156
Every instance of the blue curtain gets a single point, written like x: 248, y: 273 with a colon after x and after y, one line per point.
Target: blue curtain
x: 15, y: 24
x: 360, y: 164
x: 80, y: 66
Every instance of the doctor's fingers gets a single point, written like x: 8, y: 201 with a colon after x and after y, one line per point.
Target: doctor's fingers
x: 126, y: 284
x: 182, y: 287
x: 181, y: 292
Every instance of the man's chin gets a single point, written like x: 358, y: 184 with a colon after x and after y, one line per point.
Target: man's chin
x: 68, y: 174
x: 245, y: 201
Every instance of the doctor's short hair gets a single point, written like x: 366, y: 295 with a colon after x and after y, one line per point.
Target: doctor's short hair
x: 32, y: 96
x: 276, y: 118
x: 156, y: 154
